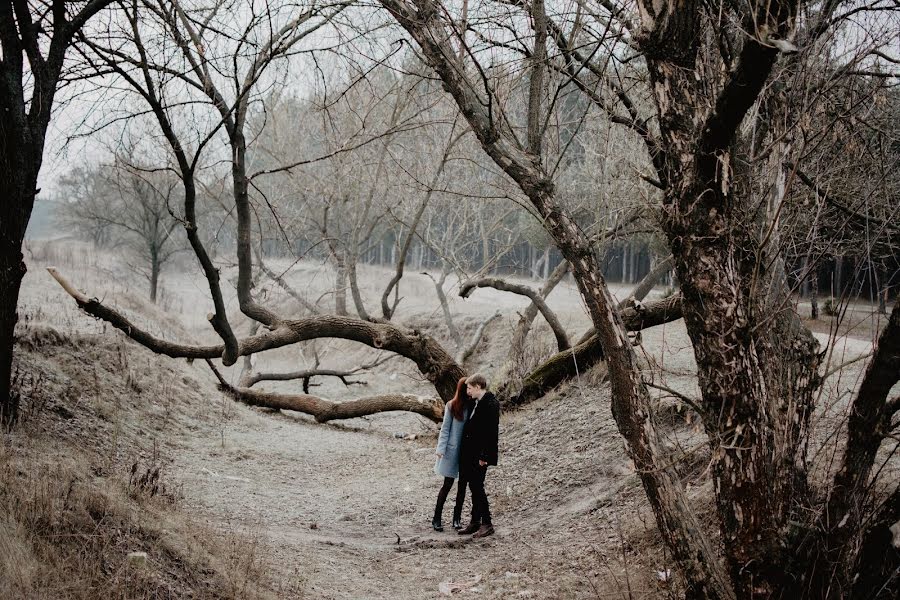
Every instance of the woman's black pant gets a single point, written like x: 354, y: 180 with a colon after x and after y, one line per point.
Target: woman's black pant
x: 445, y: 491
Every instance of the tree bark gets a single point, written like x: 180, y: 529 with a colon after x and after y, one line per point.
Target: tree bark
x: 21, y: 149
x: 631, y: 401
x: 757, y: 365
x: 14, y: 214
x: 33, y: 46
x: 869, y: 422
x: 325, y: 410
x: 877, y: 567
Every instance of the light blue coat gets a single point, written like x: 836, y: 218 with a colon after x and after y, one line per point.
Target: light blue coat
x: 449, y: 442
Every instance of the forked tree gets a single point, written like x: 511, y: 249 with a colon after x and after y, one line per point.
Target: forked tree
x: 132, y: 210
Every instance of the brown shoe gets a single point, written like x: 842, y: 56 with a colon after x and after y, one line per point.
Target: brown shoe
x: 484, y: 531
x: 470, y: 528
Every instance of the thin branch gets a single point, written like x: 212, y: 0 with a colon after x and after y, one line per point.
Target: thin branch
x: 466, y: 352
x: 694, y: 404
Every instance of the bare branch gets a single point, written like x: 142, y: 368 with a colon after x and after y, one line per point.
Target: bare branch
x: 432, y: 360
x: 326, y: 410
x: 562, y: 340
x: 466, y: 352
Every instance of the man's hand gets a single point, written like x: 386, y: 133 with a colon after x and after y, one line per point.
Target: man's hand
x: 482, y: 463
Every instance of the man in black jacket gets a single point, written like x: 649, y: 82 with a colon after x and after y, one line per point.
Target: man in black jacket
x: 478, y: 452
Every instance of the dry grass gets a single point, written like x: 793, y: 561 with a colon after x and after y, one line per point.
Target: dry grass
x: 65, y: 533
x: 83, y: 480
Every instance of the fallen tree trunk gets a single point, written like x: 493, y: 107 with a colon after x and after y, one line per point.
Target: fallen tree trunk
x: 326, y: 410
x: 431, y: 359
x: 567, y: 364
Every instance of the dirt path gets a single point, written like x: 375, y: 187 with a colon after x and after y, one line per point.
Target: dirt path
x: 327, y: 500
x: 329, y: 503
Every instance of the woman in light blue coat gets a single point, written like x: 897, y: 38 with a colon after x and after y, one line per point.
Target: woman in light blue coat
x: 447, y: 465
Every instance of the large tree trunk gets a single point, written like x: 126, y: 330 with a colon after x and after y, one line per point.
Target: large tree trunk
x: 17, y: 188
x: 630, y: 399
x: 12, y: 270
x: 34, y: 42
x: 757, y: 366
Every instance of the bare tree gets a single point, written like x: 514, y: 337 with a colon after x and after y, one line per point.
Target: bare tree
x: 34, y: 38
x: 132, y: 210
x: 697, y: 86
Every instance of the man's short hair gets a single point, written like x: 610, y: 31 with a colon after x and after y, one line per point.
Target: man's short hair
x: 478, y: 380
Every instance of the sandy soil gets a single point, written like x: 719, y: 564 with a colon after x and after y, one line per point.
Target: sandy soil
x: 343, y: 509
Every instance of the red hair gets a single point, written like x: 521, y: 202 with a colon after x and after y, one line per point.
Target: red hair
x: 460, y: 399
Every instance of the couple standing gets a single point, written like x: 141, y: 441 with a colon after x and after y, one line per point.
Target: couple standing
x: 467, y: 446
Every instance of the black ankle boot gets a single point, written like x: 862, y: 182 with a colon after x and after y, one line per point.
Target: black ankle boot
x: 457, y: 518
x: 438, y: 511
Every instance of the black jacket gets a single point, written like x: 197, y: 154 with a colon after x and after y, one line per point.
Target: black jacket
x: 480, y: 435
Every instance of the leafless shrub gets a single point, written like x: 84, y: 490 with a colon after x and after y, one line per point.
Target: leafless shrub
x: 535, y: 352
x: 145, y: 482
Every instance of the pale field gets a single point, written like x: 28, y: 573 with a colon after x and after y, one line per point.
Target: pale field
x: 343, y: 508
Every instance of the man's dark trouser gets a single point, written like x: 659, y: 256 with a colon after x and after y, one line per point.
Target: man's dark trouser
x: 481, y: 511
